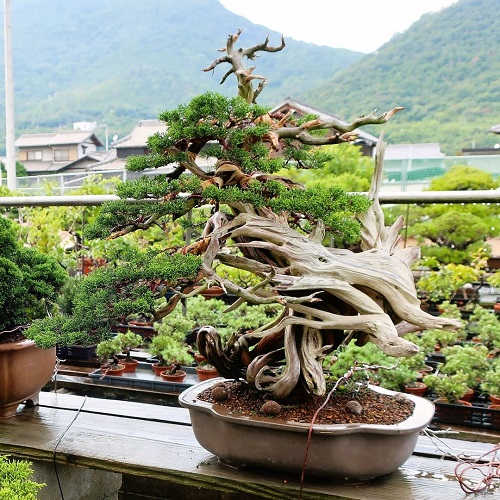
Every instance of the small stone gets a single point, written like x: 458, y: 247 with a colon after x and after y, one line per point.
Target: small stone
x: 219, y: 393
x: 401, y: 398
x: 354, y: 407
x: 271, y: 408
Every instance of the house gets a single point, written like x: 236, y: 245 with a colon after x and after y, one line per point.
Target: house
x: 61, y: 151
x: 366, y: 141
x: 134, y: 143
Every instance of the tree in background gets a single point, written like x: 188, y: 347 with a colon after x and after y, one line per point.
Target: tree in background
x: 458, y: 231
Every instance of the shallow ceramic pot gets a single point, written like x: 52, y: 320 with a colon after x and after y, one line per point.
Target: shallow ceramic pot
x: 361, y: 451
x: 178, y: 376
x: 24, y: 370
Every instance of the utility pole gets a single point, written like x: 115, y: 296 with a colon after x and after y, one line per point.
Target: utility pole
x: 10, y: 137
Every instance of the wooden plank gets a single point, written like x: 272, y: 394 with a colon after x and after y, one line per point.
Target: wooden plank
x: 161, y: 449
x: 117, y: 408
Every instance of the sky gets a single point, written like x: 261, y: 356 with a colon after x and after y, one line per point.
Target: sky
x: 360, y: 25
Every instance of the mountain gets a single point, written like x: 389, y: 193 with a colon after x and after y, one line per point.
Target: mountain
x: 119, y: 61
x: 444, y: 70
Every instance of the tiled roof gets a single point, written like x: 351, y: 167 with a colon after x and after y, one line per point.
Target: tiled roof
x: 62, y: 137
x: 139, y: 135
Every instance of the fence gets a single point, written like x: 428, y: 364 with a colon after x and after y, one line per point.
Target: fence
x: 400, y: 175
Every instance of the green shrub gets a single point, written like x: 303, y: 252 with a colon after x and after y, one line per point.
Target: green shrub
x: 15, y: 480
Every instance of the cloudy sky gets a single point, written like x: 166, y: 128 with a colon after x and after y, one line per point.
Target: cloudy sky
x: 362, y: 25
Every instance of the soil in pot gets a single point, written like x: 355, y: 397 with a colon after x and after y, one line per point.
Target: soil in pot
x: 376, y: 408
x: 417, y: 388
x: 177, y: 376
x: 206, y: 371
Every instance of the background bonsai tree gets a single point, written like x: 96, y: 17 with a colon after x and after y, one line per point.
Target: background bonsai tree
x: 268, y: 225
x: 29, y: 280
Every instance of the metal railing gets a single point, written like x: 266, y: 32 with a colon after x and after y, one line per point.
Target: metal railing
x: 412, y: 174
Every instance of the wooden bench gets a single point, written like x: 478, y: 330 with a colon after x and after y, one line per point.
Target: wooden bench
x: 154, y: 450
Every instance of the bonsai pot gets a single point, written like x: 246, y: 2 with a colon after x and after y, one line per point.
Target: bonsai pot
x: 113, y: 371
x: 361, y: 451
x: 205, y: 373
x: 178, y: 376
x: 130, y: 366
x: 24, y: 371
x: 157, y: 368
x: 418, y: 389
x: 495, y: 400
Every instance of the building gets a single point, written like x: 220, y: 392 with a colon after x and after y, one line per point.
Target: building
x: 61, y: 151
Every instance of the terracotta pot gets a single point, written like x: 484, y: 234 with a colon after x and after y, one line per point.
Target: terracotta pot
x: 130, y: 366
x: 206, y: 374
x: 468, y: 395
x: 458, y: 402
x: 418, y: 389
x: 213, y: 291
x: 337, y: 450
x: 199, y: 358
x: 157, y: 368
x: 116, y: 372
x: 24, y: 371
x: 89, y: 264
x: 178, y: 376
x: 494, y: 407
x: 494, y: 399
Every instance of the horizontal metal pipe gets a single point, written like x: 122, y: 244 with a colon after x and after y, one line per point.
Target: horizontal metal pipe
x: 425, y: 197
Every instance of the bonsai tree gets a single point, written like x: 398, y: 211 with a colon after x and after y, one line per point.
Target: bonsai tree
x: 170, y: 350
x: 268, y: 225
x: 29, y: 280
x: 128, y: 341
x: 107, y: 351
x: 472, y: 360
x: 449, y: 387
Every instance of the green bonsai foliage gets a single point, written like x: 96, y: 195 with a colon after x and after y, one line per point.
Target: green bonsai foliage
x: 472, y: 360
x: 15, y: 480
x: 107, y: 351
x: 391, y: 373
x: 29, y: 280
x: 491, y: 381
x: 129, y: 341
x: 449, y: 387
x: 484, y: 323
x: 170, y: 349
x: 441, y: 285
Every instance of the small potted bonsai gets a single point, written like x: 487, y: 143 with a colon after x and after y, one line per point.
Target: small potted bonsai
x: 472, y: 360
x: 107, y: 351
x: 449, y: 388
x: 172, y: 353
x: 29, y: 285
x: 129, y: 341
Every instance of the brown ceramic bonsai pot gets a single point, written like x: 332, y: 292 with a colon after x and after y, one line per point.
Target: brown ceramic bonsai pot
x: 361, y: 451
x: 24, y: 370
x: 178, y: 376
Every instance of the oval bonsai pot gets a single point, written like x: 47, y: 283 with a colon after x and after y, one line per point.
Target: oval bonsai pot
x: 178, y: 376
x: 24, y: 371
x: 360, y: 451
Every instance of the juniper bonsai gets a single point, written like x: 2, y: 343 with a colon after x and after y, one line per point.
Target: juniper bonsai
x: 29, y: 280
x: 264, y: 223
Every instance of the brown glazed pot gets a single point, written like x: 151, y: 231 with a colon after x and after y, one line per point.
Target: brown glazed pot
x: 358, y: 451
x: 24, y: 370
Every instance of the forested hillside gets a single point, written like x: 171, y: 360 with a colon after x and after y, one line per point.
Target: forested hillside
x: 444, y: 70
x: 118, y: 61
